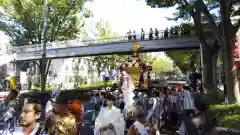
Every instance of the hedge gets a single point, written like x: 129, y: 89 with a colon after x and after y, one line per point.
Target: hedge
x: 39, y: 89
x: 85, y: 86
x: 98, y: 85
x: 228, y: 115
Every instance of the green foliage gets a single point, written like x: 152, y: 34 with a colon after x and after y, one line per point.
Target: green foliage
x: 108, y: 62
x: 221, y: 26
x: 46, y: 89
x: 187, y: 9
x: 228, y: 115
x: 23, y: 20
x: 148, y: 57
x: 161, y: 3
x: 85, y: 86
x: 97, y: 85
x: 181, y: 59
x: 105, y: 31
x: 162, y: 65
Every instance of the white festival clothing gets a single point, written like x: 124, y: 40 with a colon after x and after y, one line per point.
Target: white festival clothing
x: 107, y: 116
x: 128, y: 94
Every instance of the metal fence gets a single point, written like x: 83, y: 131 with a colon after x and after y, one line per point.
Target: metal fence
x: 101, y: 41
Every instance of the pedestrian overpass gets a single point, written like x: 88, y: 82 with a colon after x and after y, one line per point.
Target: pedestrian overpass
x: 77, y: 48
x: 119, y: 45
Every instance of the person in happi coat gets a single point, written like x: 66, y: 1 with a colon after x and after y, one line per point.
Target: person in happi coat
x: 168, y: 108
x: 62, y: 122
x: 188, y: 101
x: 110, y: 120
x: 89, y: 115
x: 141, y: 126
x: 160, y: 110
x: 152, y: 115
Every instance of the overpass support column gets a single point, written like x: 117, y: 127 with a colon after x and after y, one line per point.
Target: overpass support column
x: 37, y: 69
x: 17, y: 69
x: 16, y: 73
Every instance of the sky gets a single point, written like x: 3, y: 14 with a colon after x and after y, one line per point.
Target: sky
x: 125, y: 15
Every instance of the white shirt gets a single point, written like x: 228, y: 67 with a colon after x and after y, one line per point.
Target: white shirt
x: 19, y: 131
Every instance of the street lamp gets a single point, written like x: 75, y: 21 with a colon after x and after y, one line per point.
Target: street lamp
x: 43, y: 60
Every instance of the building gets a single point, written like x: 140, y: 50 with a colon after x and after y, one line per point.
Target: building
x: 73, y: 72
x: 70, y: 72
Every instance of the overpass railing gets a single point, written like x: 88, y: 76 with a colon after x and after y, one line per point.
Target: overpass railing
x: 102, y: 41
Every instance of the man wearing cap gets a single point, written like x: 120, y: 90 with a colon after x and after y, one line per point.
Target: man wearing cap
x: 110, y: 120
x: 62, y: 122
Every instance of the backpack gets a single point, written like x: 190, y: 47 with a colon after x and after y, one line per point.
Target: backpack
x: 199, y: 124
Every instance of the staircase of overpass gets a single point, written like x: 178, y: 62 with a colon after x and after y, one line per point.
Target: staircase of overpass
x: 119, y: 45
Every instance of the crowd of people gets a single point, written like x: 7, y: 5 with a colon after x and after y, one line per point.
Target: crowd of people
x: 156, y: 34
x: 176, y: 108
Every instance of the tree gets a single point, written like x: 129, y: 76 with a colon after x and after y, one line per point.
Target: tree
x: 162, y: 66
x: 223, y: 29
x: 185, y: 60
x: 106, y: 62
x: 101, y: 62
x: 23, y: 22
x: 182, y: 59
x: 148, y: 57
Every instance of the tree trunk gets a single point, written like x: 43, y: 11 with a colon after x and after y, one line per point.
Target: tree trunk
x: 214, y: 67
x: 99, y: 74
x: 207, y: 64
x: 44, y: 73
x: 228, y: 55
x: 230, y: 74
x: 29, y: 82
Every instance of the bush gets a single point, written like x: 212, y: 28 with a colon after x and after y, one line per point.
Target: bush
x: 85, y: 86
x: 228, y: 115
x: 39, y: 89
x: 97, y: 85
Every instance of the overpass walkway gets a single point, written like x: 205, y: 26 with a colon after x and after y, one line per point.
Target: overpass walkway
x: 119, y: 45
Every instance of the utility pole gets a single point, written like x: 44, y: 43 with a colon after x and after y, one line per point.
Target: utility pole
x: 43, y: 61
